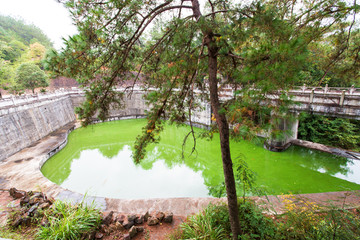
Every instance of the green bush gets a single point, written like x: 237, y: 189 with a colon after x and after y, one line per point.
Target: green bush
x: 213, y: 223
x: 337, y: 132
x: 70, y: 222
x: 306, y: 220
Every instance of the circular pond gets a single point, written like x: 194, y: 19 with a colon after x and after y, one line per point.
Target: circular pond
x: 97, y: 161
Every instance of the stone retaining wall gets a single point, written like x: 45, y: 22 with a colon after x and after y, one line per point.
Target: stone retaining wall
x: 25, y: 120
x: 24, y: 125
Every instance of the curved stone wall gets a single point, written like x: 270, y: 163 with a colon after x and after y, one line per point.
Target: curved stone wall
x: 23, y: 125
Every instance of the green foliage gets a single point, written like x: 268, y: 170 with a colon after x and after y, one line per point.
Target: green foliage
x: 303, y: 221
x: 30, y: 76
x: 204, y: 225
x: 213, y: 223
x: 19, y: 43
x: 245, y: 180
x: 337, y: 132
x: 259, y: 47
x: 70, y: 222
x: 8, y: 233
x: 11, y: 28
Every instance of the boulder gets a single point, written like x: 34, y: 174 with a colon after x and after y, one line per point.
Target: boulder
x: 108, y: 219
x: 139, y: 220
x: 146, y: 216
x: 132, y: 218
x: 21, y: 221
x: 133, y: 232
x: 32, y: 210
x: 44, y: 205
x: 24, y: 200
x: 116, y: 227
x: 168, y: 217
x: 16, y: 194
x: 120, y: 219
x: 160, y: 216
x: 152, y: 221
x: 126, y: 237
x: 99, y: 235
x: 127, y: 225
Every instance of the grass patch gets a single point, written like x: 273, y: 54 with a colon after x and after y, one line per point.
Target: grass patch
x: 17, y: 234
x: 303, y: 220
x: 68, y: 221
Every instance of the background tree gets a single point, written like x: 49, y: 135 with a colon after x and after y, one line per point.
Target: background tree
x: 30, y: 76
x: 19, y: 43
x: 257, y: 48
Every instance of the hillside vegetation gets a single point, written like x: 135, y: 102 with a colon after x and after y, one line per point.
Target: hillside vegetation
x: 20, y: 44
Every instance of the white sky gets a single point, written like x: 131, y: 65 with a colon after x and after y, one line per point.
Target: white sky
x: 49, y: 15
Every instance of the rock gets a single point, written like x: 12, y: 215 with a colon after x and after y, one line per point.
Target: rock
x: 168, y: 217
x: 99, y: 235
x: 38, y: 195
x: 21, y: 221
x: 133, y: 232
x: 139, y: 220
x: 120, y: 219
x: 16, y: 194
x: 107, y: 220
x: 132, y: 218
x: 116, y: 227
x: 44, y: 205
x: 44, y: 222
x: 126, y: 237
x: 146, y: 216
x: 105, y: 229
x: 127, y: 225
x: 32, y: 210
x: 24, y: 201
x: 160, y: 216
x: 89, y: 236
x: 152, y: 221
x: 36, y: 198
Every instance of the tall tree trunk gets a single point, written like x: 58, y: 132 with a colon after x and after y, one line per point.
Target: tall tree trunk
x: 225, y: 145
x: 222, y: 125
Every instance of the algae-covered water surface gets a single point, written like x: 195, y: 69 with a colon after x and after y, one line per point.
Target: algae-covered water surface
x: 97, y: 161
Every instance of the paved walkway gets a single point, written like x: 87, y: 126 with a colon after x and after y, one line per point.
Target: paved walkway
x: 22, y: 171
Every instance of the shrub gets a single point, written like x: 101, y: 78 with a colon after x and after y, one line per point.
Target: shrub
x: 337, y: 132
x: 213, y: 223
x: 70, y: 222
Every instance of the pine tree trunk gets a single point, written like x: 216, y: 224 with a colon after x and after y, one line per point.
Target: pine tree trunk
x: 222, y: 125
x: 225, y: 147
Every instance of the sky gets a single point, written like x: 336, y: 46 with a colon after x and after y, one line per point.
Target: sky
x: 48, y: 15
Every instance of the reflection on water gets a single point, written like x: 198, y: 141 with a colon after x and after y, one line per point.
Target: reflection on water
x: 97, y: 160
x: 117, y: 176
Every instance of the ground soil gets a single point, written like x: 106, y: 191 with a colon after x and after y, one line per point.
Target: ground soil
x: 157, y: 232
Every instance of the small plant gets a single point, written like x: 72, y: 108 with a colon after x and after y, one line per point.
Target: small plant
x: 213, y: 223
x: 203, y: 226
x: 70, y: 222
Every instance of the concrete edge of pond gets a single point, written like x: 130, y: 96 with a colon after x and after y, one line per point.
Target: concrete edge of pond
x: 22, y: 171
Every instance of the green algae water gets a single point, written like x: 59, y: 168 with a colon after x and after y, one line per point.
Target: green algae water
x: 97, y: 161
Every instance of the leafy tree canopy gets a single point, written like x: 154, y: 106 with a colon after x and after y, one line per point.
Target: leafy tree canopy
x: 30, y: 76
x: 19, y: 43
x: 256, y: 48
